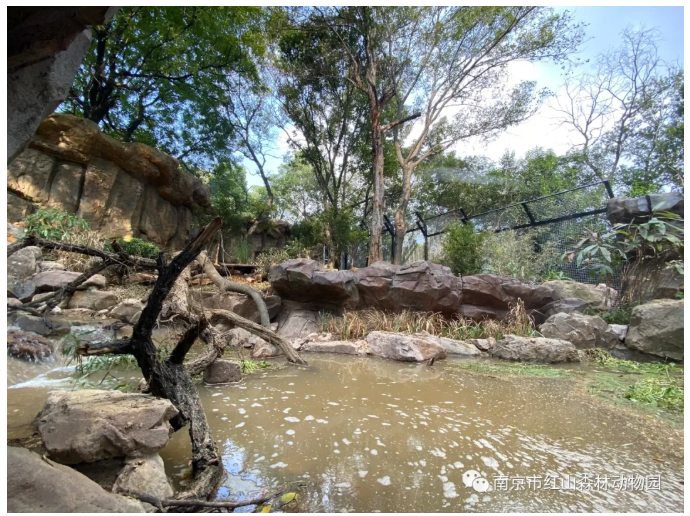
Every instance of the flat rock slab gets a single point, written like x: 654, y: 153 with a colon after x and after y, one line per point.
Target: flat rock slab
x: 89, y: 425
x: 28, y: 346
x: 406, y: 348
x: 535, y: 349
x: 55, y: 280
x: 93, y: 300
x: 343, y: 347
x: 144, y: 475
x: 39, y: 485
x: 584, y: 331
x: 455, y: 347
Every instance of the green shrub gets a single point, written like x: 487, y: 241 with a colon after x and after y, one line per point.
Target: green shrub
x: 462, y: 249
x: 136, y: 247
x: 53, y: 223
x: 518, y: 255
x: 243, y: 253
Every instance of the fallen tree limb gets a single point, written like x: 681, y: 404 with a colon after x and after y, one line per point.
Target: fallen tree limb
x: 230, y: 286
x: 169, y: 378
x: 198, y: 503
x: 265, y: 333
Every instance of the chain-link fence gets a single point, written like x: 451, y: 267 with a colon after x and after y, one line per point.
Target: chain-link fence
x: 555, y: 222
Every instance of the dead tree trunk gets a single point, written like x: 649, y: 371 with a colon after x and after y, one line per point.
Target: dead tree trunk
x: 230, y: 286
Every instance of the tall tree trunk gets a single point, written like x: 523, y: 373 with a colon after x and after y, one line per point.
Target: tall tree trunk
x: 375, y: 234
x: 400, y: 224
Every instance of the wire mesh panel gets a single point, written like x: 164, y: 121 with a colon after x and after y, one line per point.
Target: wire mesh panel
x: 413, y: 247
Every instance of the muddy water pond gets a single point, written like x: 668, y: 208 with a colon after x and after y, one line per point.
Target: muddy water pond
x: 363, y: 434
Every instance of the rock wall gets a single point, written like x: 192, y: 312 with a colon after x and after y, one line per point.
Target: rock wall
x: 121, y: 189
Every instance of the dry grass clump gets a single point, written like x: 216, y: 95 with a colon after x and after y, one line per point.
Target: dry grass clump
x: 357, y: 324
x: 80, y: 236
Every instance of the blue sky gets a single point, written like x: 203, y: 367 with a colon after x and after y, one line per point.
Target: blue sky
x: 603, y: 31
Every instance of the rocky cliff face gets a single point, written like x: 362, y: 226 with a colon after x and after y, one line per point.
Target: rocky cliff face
x: 120, y: 188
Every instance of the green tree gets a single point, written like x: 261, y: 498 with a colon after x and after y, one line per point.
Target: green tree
x: 229, y: 194
x: 156, y: 75
x: 462, y: 249
x: 456, y: 69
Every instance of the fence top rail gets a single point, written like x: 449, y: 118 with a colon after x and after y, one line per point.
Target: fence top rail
x: 604, y: 182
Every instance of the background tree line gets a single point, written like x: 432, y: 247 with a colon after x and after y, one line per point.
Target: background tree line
x: 371, y: 102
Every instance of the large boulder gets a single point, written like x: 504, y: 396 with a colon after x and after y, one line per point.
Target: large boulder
x: 567, y: 305
x: 294, y: 324
x: 342, y: 347
x: 28, y: 346
x: 584, y: 331
x: 42, y: 325
x: 241, y: 304
x: 419, y: 286
x: 57, y: 279
x: 89, y: 425
x: 657, y: 328
x: 265, y: 349
x: 307, y: 281
x: 596, y: 297
x: 455, y: 347
x: 37, y: 484
x: 20, y: 267
x: 406, y: 348
x: 535, y: 349
x: 223, y: 371
x: 128, y: 311
x: 491, y: 296
x: 623, y: 210
x: 144, y: 475
x: 92, y: 300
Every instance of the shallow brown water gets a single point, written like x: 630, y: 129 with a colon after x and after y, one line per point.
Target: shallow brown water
x: 364, y: 434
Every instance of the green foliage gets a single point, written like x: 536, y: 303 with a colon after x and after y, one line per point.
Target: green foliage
x: 242, y: 252
x: 554, y: 275
x: 665, y: 393
x: 160, y: 75
x: 517, y: 369
x: 251, y: 365
x: 135, y: 247
x: 518, y: 255
x: 53, y: 224
x: 229, y: 195
x: 462, y: 249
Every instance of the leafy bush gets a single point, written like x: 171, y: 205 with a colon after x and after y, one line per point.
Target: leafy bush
x: 269, y: 257
x: 462, y: 249
x: 517, y: 255
x: 644, y: 249
x: 136, y: 247
x: 53, y: 223
x: 665, y: 393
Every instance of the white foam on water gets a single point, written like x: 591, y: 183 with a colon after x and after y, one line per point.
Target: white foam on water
x: 322, y: 421
x: 287, y: 410
x: 343, y: 485
x: 292, y: 419
x: 374, y: 452
x: 345, y: 441
x: 278, y: 465
x: 372, y: 416
x: 239, y: 425
x: 333, y: 403
x: 260, y: 459
x: 309, y: 418
x: 256, y: 405
x: 458, y: 465
x: 241, y: 411
x: 216, y: 394
x: 290, y: 432
x: 385, y: 481
x: 449, y: 490
x: 418, y: 448
x: 362, y: 474
x: 490, y: 462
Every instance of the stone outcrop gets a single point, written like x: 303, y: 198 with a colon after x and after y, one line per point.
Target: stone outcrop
x: 535, y: 349
x: 45, y: 48
x: 298, y: 323
x: 223, y: 371
x: 264, y: 349
x: 72, y: 165
x: 36, y: 484
x: 623, y: 210
x: 21, y: 266
x: 419, y: 286
x: 41, y: 325
x: 307, y: 281
x: 490, y: 296
x: 596, y: 297
x: 90, y: 425
x: 584, y: 331
x: 405, y: 348
x: 657, y: 328
x: 28, y: 346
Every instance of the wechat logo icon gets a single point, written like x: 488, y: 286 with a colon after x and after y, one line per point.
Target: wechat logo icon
x: 473, y: 479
